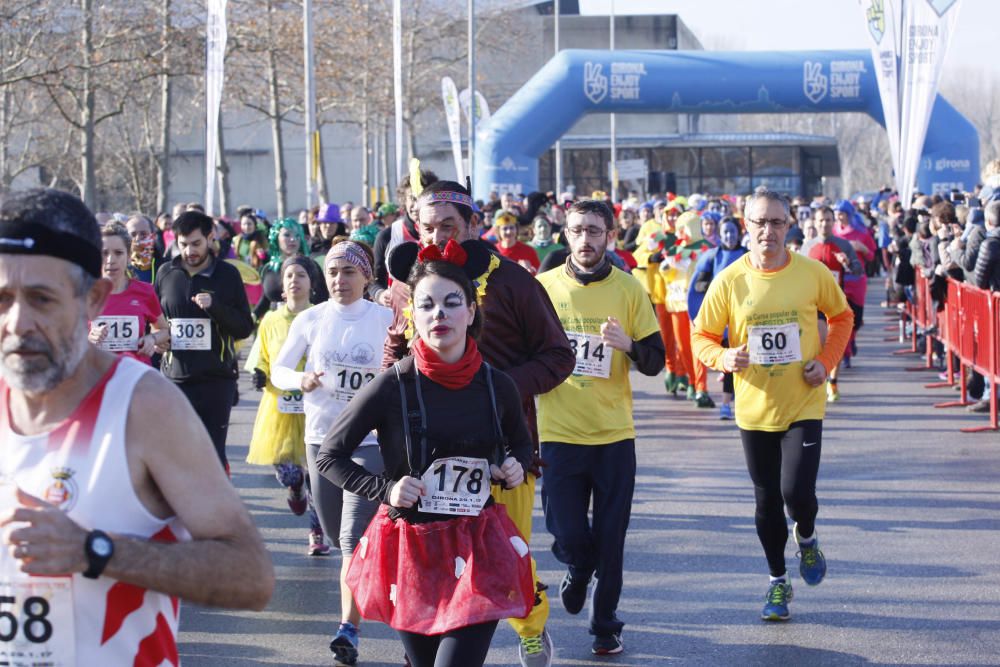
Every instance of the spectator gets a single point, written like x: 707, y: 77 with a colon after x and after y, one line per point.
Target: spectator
x: 987, y: 272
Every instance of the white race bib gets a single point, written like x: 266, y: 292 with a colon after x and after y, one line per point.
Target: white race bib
x: 123, y: 332
x: 774, y: 344
x: 593, y: 357
x: 36, y: 613
x: 191, y: 333
x: 836, y: 275
x: 290, y: 403
x: 344, y: 381
x: 456, y: 485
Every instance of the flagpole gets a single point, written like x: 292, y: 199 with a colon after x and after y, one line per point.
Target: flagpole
x: 472, y: 89
x: 614, y: 150
x: 310, y: 103
x: 559, y: 165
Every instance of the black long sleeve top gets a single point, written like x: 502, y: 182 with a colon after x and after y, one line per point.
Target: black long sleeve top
x: 459, y: 423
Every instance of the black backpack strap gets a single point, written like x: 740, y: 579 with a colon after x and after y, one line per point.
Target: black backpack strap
x: 404, y: 404
x: 424, y: 462
x: 501, y: 441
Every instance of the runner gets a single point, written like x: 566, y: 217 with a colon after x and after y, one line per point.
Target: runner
x: 204, y: 300
x: 587, y: 432
x: 145, y: 258
x: 341, y: 340
x: 710, y: 265
x: 111, y: 505
x: 131, y: 323
x: 523, y: 339
x: 769, y: 300
x: 523, y: 254
x: 286, y: 239
x: 279, y: 429
x: 447, y: 422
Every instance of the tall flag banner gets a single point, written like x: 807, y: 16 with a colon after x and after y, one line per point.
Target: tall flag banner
x: 216, y: 36
x: 909, y: 41
x: 482, y: 108
x: 449, y: 93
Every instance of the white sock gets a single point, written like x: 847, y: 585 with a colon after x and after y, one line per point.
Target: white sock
x: 779, y: 580
x: 807, y: 541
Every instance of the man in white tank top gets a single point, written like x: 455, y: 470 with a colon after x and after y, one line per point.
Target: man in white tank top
x: 112, y: 504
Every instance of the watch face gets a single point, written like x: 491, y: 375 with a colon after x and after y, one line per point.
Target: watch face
x: 101, y: 546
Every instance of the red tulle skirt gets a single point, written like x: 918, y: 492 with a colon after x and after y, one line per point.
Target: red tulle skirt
x: 435, y: 577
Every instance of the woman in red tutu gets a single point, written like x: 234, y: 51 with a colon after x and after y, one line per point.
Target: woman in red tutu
x: 440, y: 562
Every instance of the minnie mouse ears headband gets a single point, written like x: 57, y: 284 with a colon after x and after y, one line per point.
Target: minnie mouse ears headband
x: 472, y: 256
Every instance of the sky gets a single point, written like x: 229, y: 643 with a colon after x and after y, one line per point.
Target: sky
x: 756, y: 25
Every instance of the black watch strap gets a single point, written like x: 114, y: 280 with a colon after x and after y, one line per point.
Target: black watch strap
x: 99, y: 548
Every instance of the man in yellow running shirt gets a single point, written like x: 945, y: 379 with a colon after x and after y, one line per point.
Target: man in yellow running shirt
x: 769, y: 300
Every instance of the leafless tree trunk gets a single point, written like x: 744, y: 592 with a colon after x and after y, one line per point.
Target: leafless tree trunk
x: 222, y: 169
x: 280, y: 186
x: 88, y: 188
x: 166, y: 99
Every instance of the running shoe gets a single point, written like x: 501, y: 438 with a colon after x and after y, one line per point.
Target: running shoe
x: 536, y: 651
x: 670, y: 382
x: 608, y: 644
x: 573, y: 593
x: 682, y: 384
x: 345, y: 644
x: 812, y: 562
x: 779, y: 594
x: 317, y: 545
x: 726, y: 411
x: 703, y: 400
x: 297, y: 501
x: 832, y: 392
x: 847, y: 361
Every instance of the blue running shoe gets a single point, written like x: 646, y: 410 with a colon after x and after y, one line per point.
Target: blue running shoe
x: 345, y: 645
x: 726, y: 411
x: 812, y: 563
x: 779, y: 594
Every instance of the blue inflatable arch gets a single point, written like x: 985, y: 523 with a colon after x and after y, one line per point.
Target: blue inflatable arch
x: 577, y: 82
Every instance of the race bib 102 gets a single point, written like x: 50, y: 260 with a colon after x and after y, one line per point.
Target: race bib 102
x: 593, y: 357
x: 774, y: 344
x: 345, y: 381
x: 456, y: 485
x: 290, y: 403
x: 122, y: 332
x: 191, y: 333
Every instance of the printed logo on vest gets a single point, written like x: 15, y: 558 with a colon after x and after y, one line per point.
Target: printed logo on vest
x: 63, y: 491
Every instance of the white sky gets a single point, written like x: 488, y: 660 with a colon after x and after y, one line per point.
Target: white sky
x: 763, y: 25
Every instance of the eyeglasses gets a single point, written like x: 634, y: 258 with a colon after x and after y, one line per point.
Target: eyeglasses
x: 775, y: 223
x: 592, y: 232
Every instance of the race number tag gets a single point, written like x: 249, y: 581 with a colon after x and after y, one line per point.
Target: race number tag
x: 593, y: 357
x: 346, y: 381
x: 36, y: 622
x: 290, y: 403
x: 456, y: 485
x: 836, y: 275
x: 777, y: 344
x: 191, y: 333
x: 123, y: 333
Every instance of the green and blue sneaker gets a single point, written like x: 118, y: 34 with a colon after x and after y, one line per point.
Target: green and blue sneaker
x: 812, y: 562
x: 779, y: 594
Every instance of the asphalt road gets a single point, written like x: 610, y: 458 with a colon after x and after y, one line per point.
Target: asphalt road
x: 909, y: 519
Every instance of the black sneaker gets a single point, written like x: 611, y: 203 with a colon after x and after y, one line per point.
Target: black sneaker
x: 573, y: 593
x: 608, y: 644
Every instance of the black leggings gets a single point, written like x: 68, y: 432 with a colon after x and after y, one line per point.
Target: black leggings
x: 783, y: 467
x: 464, y: 647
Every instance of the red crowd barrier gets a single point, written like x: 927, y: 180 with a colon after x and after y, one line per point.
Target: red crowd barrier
x: 968, y: 328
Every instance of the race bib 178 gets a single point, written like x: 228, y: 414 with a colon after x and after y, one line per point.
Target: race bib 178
x: 593, y: 357
x: 456, y: 485
x: 191, y: 333
x: 774, y: 344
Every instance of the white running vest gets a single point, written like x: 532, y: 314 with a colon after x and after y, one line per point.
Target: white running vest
x: 81, y: 467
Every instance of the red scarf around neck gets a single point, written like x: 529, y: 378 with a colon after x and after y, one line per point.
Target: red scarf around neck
x: 451, y: 376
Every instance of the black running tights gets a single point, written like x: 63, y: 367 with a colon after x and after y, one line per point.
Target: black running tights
x: 464, y: 647
x: 783, y: 466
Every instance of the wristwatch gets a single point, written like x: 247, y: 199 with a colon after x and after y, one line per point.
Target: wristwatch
x: 99, y: 549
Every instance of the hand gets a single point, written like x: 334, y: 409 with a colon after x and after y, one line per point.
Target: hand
x: 383, y: 298
x: 858, y: 246
x: 510, y: 472
x: 842, y: 258
x: 203, y: 300
x: 406, y: 492
x: 310, y: 381
x: 147, y: 345
x: 526, y: 265
x: 814, y: 373
x: 614, y: 336
x: 98, y: 333
x: 259, y: 379
x: 735, y: 359
x: 50, y: 544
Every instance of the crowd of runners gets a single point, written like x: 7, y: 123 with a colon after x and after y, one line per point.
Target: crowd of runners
x: 423, y: 366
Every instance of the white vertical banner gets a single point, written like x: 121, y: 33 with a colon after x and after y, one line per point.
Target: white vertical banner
x: 449, y: 94
x: 482, y: 109
x: 883, y: 18
x: 216, y: 36
x: 927, y: 29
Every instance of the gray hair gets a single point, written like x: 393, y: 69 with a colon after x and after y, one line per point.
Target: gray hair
x: 762, y: 192
x: 992, y: 213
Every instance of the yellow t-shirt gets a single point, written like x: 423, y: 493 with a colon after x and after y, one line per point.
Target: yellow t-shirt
x: 647, y: 278
x: 775, y: 312
x: 594, y: 405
